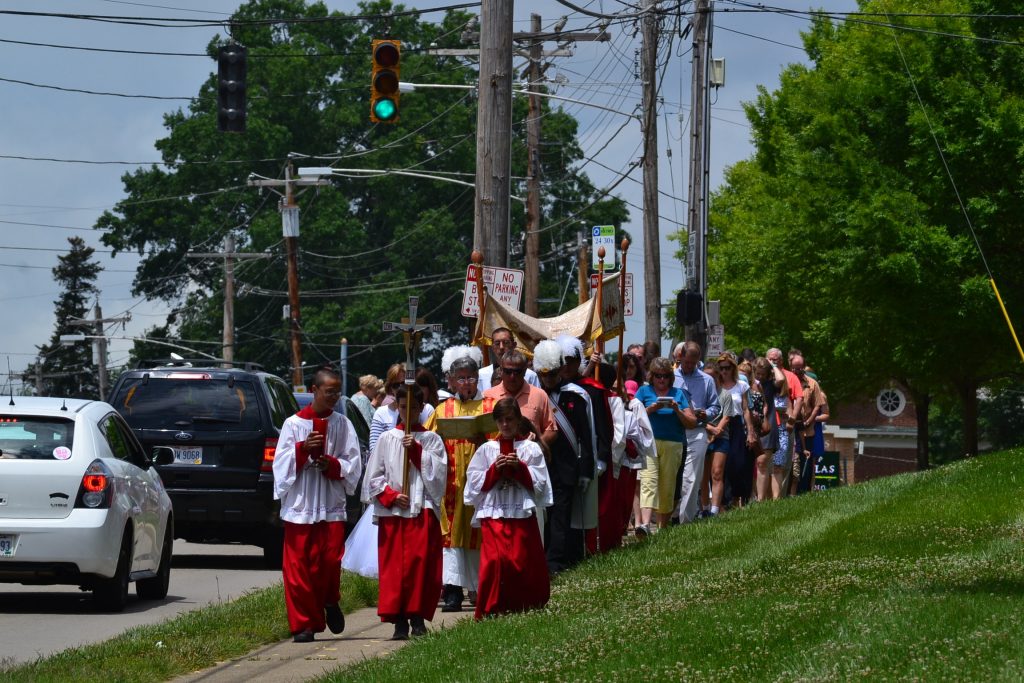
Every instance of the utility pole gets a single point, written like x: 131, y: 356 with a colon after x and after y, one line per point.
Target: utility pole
x: 99, y: 349
x: 535, y: 76
x: 229, y: 256
x: 494, y: 133
x: 652, y: 236
x: 697, y: 210
x: 531, y: 263
x: 227, y: 351
x: 290, y: 229
x: 99, y: 343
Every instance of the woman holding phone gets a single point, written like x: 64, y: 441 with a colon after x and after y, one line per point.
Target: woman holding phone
x: 670, y: 415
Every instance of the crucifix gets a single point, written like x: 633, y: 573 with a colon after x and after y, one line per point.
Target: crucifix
x: 412, y: 329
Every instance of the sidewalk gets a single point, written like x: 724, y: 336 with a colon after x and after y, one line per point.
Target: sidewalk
x: 284, y: 662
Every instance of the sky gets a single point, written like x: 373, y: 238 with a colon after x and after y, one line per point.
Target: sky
x: 47, y: 195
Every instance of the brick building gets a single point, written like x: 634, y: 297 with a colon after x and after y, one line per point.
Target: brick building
x: 876, y: 437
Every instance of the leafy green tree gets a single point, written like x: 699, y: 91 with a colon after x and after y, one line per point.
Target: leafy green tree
x: 367, y: 242
x: 68, y: 370
x: 843, y: 235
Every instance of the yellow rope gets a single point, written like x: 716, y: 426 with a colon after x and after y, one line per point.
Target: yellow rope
x: 1007, y: 316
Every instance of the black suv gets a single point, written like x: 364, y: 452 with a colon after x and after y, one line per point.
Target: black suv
x: 223, y: 424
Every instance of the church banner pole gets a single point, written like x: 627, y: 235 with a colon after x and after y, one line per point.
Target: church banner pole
x: 619, y: 382
x: 481, y: 303
x: 598, y: 344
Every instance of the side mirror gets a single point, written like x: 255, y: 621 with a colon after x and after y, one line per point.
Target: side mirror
x: 161, y: 455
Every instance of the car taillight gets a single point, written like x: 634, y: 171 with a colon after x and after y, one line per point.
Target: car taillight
x: 269, y: 448
x: 97, y: 488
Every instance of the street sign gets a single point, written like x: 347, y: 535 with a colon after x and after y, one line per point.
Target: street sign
x: 503, y: 284
x: 627, y: 305
x: 716, y: 340
x: 604, y: 236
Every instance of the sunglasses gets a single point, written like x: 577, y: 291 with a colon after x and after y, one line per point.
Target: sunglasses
x: 662, y: 375
x: 726, y: 366
x: 466, y: 380
x: 513, y: 371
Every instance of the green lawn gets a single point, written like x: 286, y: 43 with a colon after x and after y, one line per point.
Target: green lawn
x: 911, y: 577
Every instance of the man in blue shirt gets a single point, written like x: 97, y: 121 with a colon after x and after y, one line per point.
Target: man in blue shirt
x: 703, y: 397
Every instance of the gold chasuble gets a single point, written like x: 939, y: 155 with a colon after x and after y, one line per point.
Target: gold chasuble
x: 461, y: 533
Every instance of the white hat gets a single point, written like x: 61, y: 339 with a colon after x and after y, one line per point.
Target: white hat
x: 547, y: 356
x: 571, y: 346
x: 454, y: 353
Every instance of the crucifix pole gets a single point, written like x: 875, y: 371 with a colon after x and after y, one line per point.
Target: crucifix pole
x: 412, y: 331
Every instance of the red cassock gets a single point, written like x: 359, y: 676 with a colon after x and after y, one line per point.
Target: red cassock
x: 409, y: 560
x: 609, y: 521
x: 513, y: 570
x: 311, y: 565
x: 513, y: 567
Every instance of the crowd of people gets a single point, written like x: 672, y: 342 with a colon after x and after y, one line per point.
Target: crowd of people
x: 576, y: 460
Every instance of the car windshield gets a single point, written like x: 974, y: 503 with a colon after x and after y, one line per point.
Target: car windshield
x: 199, y: 403
x: 26, y: 437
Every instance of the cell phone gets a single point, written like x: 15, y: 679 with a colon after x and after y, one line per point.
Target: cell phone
x: 665, y: 399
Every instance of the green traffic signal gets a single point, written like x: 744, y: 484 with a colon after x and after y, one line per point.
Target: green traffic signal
x: 385, y: 109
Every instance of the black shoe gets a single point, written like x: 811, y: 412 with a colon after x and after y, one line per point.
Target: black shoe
x: 401, y: 630
x: 418, y: 627
x: 335, y: 619
x: 303, y: 637
x: 452, y: 599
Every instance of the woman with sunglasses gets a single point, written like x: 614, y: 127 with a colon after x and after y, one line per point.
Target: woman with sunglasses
x: 670, y: 415
x: 733, y: 434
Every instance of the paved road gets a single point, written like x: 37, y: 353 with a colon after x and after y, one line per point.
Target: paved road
x: 42, y: 620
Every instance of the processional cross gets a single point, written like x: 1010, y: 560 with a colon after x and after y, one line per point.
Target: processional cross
x: 412, y: 329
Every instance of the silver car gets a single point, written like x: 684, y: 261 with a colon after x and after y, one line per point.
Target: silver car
x: 80, y: 501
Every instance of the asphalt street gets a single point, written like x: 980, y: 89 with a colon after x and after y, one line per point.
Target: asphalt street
x: 41, y: 620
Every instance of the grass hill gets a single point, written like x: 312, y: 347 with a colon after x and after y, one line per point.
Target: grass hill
x: 913, y: 577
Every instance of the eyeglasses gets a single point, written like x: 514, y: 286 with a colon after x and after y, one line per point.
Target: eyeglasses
x: 661, y: 375
x: 466, y: 380
x: 513, y: 371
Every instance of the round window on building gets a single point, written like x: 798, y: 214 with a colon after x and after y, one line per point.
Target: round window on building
x: 891, y: 402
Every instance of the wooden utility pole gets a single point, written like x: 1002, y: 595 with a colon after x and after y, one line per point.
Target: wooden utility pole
x: 531, y: 263
x: 99, y: 343
x: 494, y: 133
x: 652, y: 235
x: 535, y: 76
x: 290, y: 229
x: 229, y: 256
x: 697, y: 210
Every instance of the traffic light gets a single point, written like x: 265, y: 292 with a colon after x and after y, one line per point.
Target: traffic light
x: 231, y: 70
x: 689, y: 308
x: 387, y: 55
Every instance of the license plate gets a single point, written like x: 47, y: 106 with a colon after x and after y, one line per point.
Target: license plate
x: 7, y: 544
x: 188, y: 456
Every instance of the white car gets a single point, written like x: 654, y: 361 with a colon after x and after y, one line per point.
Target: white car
x: 80, y: 501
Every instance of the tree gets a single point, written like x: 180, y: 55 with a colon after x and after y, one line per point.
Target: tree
x: 367, y: 243
x: 68, y: 370
x: 843, y: 235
